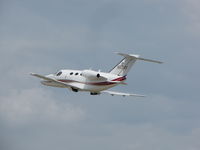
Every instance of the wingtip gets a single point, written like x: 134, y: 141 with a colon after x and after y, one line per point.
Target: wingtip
x: 32, y: 74
x: 159, y: 62
x: 137, y: 95
x: 142, y: 96
x: 117, y: 53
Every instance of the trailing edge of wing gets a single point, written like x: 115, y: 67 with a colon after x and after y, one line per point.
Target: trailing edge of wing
x: 122, y: 94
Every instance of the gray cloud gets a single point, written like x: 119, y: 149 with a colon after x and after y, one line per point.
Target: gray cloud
x: 42, y: 37
x: 25, y: 106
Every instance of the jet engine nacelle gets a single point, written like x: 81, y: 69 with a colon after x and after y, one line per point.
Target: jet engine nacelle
x: 91, y: 74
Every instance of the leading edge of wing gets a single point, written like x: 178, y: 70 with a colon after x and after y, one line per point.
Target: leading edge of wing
x: 41, y: 76
x: 49, y: 79
x: 122, y: 94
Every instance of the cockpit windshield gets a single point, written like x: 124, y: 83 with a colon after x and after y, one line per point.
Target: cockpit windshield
x: 59, y: 73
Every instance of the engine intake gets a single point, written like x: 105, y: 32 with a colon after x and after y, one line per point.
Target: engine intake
x: 98, y: 75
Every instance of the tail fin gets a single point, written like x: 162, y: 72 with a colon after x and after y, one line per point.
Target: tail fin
x: 123, y: 67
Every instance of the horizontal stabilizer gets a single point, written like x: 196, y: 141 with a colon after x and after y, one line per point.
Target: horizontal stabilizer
x: 139, y: 58
x: 149, y: 60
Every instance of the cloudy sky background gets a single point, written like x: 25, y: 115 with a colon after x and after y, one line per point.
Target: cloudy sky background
x: 44, y: 36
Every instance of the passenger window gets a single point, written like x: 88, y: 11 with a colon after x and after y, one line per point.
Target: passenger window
x: 76, y: 74
x: 59, y: 73
x: 71, y: 73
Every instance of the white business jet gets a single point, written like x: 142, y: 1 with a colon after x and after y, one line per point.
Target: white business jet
x: 95, y: 82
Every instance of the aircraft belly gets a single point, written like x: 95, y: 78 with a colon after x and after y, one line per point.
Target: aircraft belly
x: 97, y: 88
x: 82, y: 86
x: 77, y: 85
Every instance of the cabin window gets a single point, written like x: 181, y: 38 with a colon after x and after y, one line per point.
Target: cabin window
x: 76, y: 74
x: 59, y: 73
x: 71, y: 73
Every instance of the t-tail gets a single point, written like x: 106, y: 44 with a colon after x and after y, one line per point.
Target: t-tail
x: 123, y: 67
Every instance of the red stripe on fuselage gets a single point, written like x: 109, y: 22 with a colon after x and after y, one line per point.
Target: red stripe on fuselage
x: 97, y: 83
x: 89, y: 83
x: 120, y: 79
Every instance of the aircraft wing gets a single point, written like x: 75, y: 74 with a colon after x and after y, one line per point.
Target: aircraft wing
x: 53, y: 80
x: 122, y: 94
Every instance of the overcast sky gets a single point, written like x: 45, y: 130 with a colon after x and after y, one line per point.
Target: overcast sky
x: 43, y: 36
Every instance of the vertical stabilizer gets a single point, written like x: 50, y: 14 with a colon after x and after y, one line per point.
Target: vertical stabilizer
x: 123, y: 67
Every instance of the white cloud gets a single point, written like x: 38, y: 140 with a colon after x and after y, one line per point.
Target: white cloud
x: 147, y: 136
x: 191, y: 9
x: 116, y: 136
x: 35, y: 105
